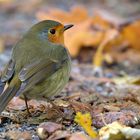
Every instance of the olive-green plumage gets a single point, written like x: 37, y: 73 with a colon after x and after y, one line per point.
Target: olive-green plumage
x: 38, y: 68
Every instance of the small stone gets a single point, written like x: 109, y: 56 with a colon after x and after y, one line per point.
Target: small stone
x: 47, y: 128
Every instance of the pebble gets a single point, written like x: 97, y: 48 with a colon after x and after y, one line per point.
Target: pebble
x: 35, y: 137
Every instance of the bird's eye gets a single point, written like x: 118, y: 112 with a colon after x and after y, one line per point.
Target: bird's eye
x: 52, y: 31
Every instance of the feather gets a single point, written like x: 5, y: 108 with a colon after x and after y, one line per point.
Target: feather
x: 9, y: 93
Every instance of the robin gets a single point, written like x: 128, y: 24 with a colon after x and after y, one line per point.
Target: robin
x: 40, y: 64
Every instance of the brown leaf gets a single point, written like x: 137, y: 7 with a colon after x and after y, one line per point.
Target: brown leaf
x: 109, y: 35
x: 78, y: 106
x: 47, y: 128
x: 111, y: 108
x: 64, y: 16
x: 79, y: 136
x: 16, y: 104
x: 81, y: 34
x: 59, y: 135
x: 131, y: 33
x: 126, y: 117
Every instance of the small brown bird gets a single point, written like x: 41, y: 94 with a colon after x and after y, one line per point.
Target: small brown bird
x: 40, y: 65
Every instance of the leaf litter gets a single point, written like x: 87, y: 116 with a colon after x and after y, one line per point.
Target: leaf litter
x: 120, y: 103
x: 112, y: 100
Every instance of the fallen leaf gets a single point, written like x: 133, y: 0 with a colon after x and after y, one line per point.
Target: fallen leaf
x: 61, y: 103
x: 79, y: 136
x: 125, y: 117
x: 78, y: 106
x: 111, y: 108
x: 131, y: 33
x: 128, y: 80
x: 63, y: 16
x: 110, y: 34
x: 117, y: 131
x: 85, y: 121
x: 94, y: 31
x: 59, y: 135
x: 47, y: 128
x: 81, y: 34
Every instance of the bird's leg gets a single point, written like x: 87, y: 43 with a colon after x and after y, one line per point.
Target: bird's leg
x: 26, y: 103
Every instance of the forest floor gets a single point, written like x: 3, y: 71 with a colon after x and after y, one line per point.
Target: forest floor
x: 113, y: 95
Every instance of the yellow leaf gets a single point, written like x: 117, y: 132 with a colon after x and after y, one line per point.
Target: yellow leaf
x: 117, y: 131
x: 131, y: 33
x: 108, y: 37
x: 127, y: 80
x: 85, y: 121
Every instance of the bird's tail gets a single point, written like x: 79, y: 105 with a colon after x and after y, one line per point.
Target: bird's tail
x: 9, y: 93
x: 1, y: 86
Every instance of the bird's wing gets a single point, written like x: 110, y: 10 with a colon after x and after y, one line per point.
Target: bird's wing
x: 8, y: 71
x: 6, y: 75
x: 37, y: 72
x: 10, y: 91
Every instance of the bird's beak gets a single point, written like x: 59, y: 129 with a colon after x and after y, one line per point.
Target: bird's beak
x: 66, y: 27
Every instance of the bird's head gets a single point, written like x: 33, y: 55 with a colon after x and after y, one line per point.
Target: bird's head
x: 50, y: 30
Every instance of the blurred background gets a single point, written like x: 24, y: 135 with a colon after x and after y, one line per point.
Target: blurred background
x: 106, y: 32
x: 105, y: 48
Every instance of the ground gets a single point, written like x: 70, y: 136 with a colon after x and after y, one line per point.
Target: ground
x: 111, y: 94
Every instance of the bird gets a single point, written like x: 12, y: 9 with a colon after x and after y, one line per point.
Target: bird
x: 40, y: 64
